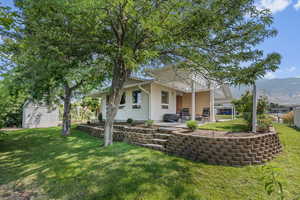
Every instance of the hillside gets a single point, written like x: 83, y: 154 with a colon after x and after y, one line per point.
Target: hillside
x: 283, y: 91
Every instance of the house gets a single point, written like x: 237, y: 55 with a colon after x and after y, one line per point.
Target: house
x: 168, y: 91
x: 37, y: 115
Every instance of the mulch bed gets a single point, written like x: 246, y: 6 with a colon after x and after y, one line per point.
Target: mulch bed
x: 211, y: 133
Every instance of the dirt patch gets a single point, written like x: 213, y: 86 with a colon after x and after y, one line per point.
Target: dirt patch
x: 14, y: 192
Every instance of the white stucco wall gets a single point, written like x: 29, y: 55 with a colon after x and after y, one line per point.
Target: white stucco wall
x: 37, y: 116
x: 297, y: 117
x: 142, y: 114
x: 126, y: 112
x: 156, y: 110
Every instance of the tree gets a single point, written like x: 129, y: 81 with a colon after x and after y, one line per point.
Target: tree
x: 215, y: 38
x: 11, y: 104
x: 7, y: 17
x: 91, y: 104
x: 54, y: 57
x: 244, y: 106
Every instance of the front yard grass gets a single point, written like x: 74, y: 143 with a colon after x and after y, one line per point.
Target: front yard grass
x: 41, y: 163
x: 218, y: 117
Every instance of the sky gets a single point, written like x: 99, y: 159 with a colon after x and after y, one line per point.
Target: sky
x: 287, y: 22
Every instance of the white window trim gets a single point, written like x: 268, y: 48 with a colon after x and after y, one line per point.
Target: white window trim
x: 140, y: 100
x: 165, y: 104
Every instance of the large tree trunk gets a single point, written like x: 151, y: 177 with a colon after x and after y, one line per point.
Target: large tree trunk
x: 67, y: 112
x: 120, y: 75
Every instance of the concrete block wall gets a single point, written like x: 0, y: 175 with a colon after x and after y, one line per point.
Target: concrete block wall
x: 231, y: 151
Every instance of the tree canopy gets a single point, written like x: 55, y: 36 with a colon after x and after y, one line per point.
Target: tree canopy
x: 69, y: 45
x: 54, y: 57
x: 217, y: 39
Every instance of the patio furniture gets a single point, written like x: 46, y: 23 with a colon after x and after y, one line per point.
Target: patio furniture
x: 185, y: 114
x: 170, y: 118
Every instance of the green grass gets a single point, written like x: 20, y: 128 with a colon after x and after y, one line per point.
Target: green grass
x: 238, y: 125
x: 223, y: 117
x: 41, y: 162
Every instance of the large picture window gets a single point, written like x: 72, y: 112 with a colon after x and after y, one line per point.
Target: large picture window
x: 164, y: 99
x: 136, y: 99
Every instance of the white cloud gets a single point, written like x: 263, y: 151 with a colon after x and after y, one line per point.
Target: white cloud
x: 274, y: 5
x: 270, y: 75
x: 297, y: 5
x: 291, y: 69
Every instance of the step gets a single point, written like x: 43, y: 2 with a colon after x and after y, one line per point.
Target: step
x: 154, y: 146
x: 166, y: 130
x: 161, y: 136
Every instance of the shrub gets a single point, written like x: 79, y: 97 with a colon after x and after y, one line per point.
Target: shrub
x: 149, y: 123
x: 192, y: 124
x: 264, y: 123
x: 288, y: 118
x: 244, y: 106
x: 130, y: 121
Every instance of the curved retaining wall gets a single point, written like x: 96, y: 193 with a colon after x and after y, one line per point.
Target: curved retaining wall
x: 233, y: 151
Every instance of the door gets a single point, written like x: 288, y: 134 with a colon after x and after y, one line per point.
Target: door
x: 178, y: 103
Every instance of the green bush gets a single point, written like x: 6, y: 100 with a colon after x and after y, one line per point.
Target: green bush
x: 288, y: 118
x: 149, y: 123
x: 192, y: 124
x: 264, y: 123
x: 244, y: 106
x: 130, y: 121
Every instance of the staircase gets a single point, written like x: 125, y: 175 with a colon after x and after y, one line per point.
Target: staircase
x: 156, y: 141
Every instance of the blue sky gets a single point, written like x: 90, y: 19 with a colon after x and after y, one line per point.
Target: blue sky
x: 287, y: 21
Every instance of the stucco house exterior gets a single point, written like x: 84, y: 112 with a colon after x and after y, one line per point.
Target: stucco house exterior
x: 36, y: 115
x: 168, y: 91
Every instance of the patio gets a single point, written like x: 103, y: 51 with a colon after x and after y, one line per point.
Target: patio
x: 176, y: 124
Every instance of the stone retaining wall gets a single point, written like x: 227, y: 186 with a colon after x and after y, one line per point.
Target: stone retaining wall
x: 121, y: 133
x: 233, y: 151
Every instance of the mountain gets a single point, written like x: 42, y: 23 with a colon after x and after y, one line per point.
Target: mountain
x: 282, y: 91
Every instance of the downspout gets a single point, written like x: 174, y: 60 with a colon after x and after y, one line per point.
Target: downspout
x: 149, y: 99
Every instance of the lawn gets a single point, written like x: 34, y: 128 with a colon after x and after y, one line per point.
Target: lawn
x: 238, y: 125
x: 41, y: 163
x: 223, y: 117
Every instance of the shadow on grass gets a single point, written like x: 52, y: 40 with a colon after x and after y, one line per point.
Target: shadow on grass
x: 77, y: 167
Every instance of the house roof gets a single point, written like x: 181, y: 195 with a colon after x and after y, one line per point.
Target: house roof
x: 132, y: 82
x: 179, y: 79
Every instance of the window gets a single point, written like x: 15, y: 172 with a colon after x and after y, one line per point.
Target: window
x: 136, y: 99
x: 123, y: 101
x: 164, y: 100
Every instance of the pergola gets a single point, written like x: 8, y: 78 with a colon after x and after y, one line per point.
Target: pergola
x: 188, y: 81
